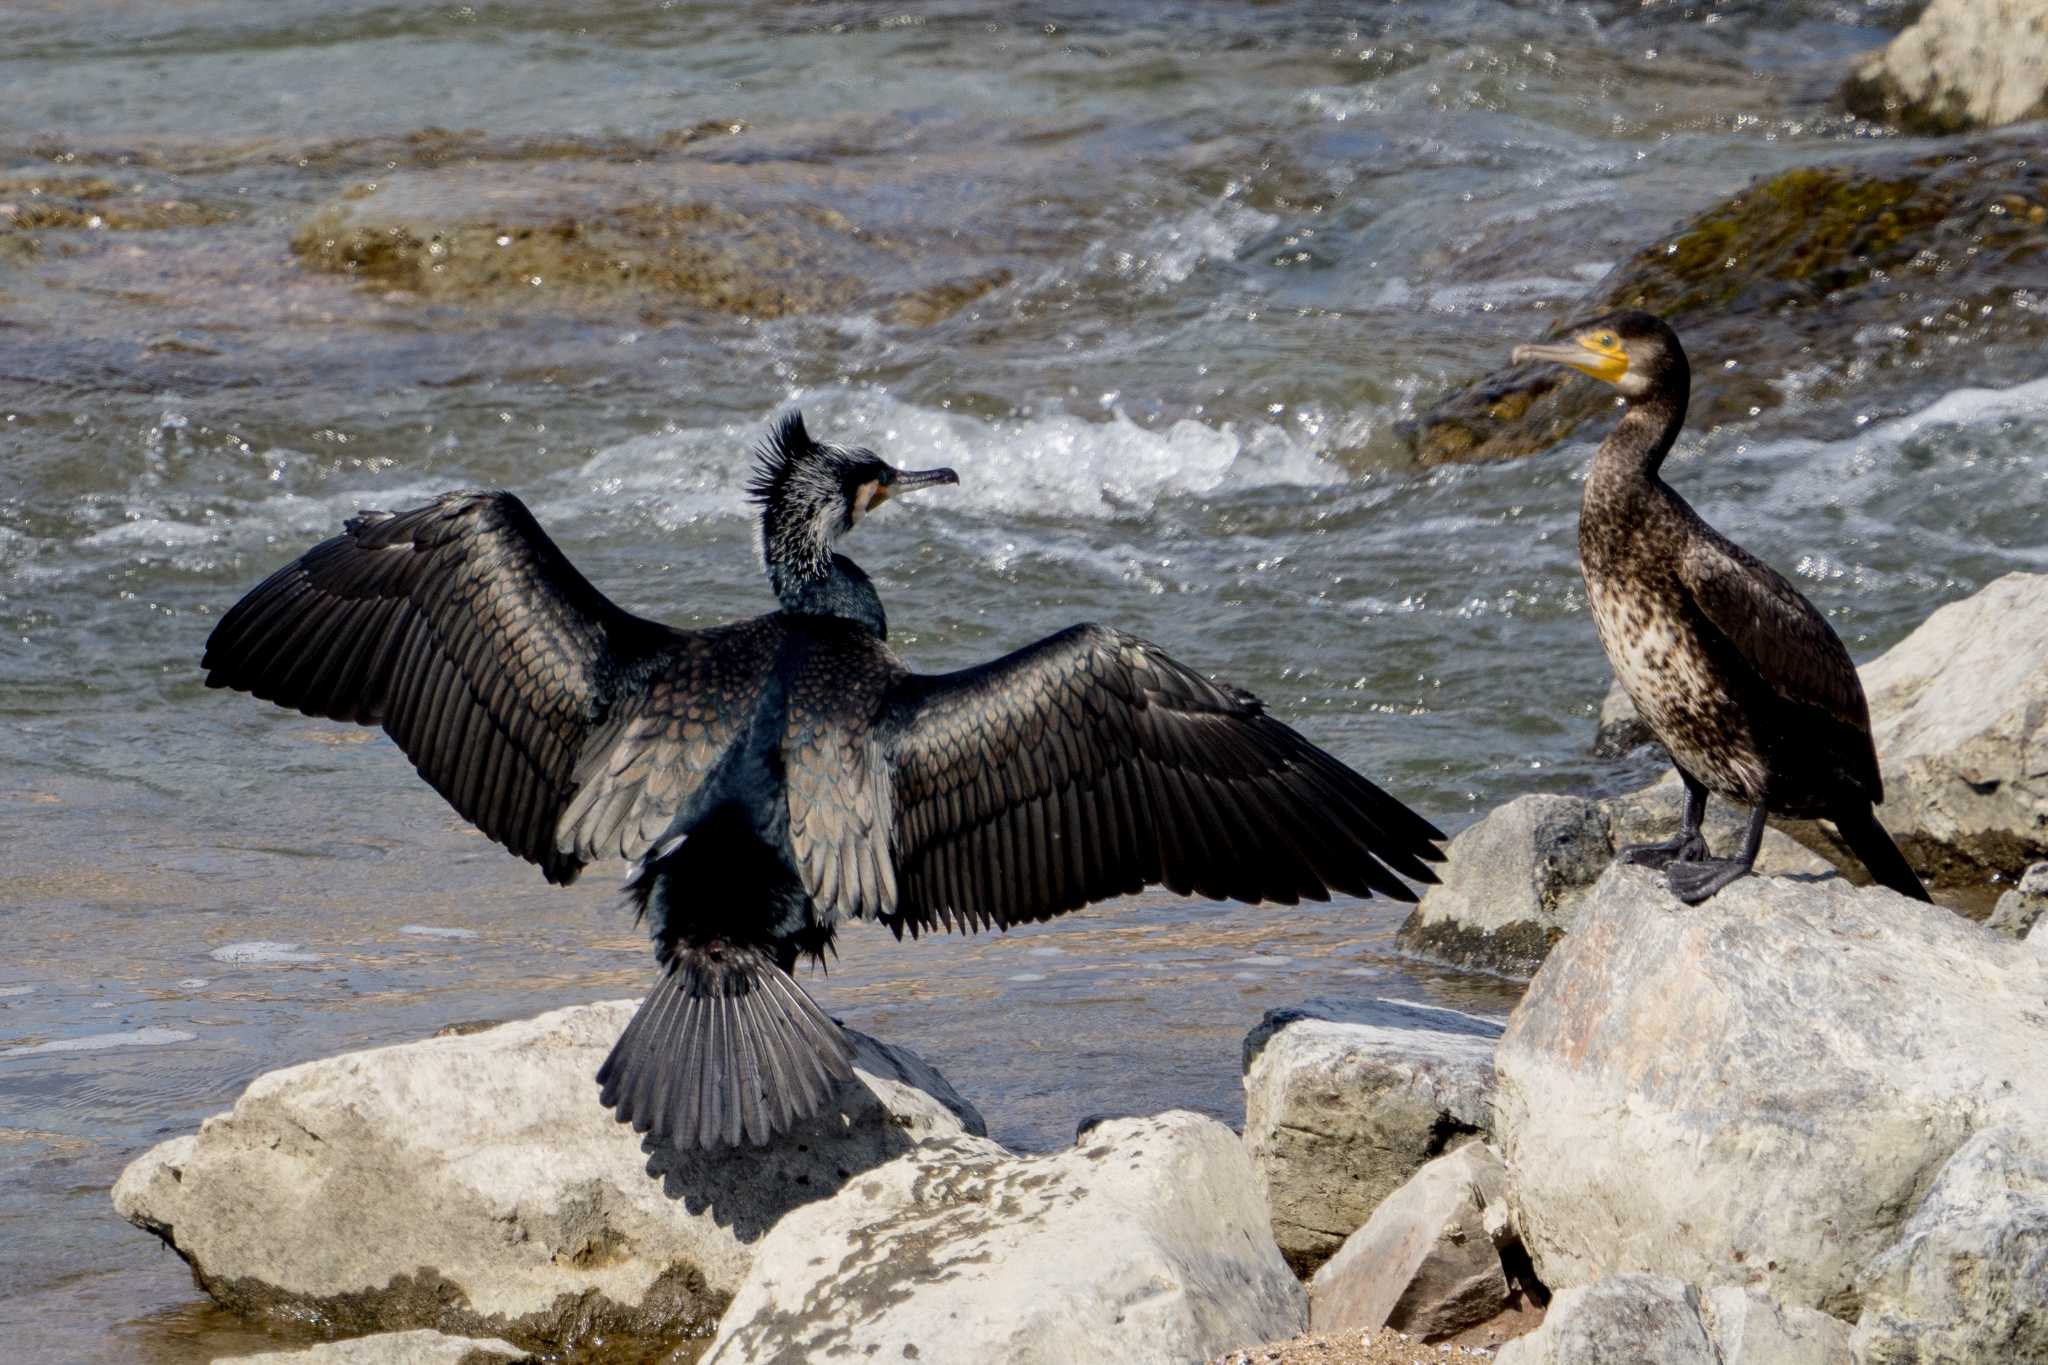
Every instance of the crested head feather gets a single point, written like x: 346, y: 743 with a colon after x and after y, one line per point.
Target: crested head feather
x: 786, y: 446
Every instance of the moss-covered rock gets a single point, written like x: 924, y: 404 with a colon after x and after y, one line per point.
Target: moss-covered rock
x: 31, y: 205
x: 1883, y: 257
x: 759, y: 241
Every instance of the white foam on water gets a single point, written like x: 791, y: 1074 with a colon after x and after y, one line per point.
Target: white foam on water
x: 193, y: 983
x: 1059, y: 464
x: 1165, y: 254
x: 1045, y: 952
x: 100, y: 1042
x: 434, y: 931
x: 16, y: 990
x: 1026, y: 976
x: 263, y: 952
x: 1261, y: 960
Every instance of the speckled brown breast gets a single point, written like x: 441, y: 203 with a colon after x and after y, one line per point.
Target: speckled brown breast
x: 1657, y: 649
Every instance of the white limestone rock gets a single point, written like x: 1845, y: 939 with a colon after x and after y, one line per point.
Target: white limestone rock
x: 474, y: 1184
x: 1963, y: 64
x: 1344, y: 1101
x: 1425, y: 1263
x: 1759, y: 1086
x: 2019, y: 910
x: 1967, y: 1281
x: 1146, y: 1243
x: 1626, y: 1320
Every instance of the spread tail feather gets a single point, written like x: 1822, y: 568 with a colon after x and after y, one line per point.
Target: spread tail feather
x: 1867, y: 839
x: 726, y: 1044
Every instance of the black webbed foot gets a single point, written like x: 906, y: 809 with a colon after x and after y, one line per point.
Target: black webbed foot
x: 1680, y: 848
x: 1694, y: 882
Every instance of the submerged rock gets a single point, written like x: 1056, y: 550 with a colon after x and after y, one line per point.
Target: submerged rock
x: 760, y: 241
x: 1145, y: 1242
x: 1658, y: 1320
x: 1889, y: 258
x: 1345, y: 1101
x: 1425, y: 1262
x: 1760, y: 1086
x: 473, y: 1183
x: 1967, y: 1280
x: 1514, y: 881
x: 1962, y: 65
x: 1621, y: 729
x: 2019, y: 909
x: 419, y: 1347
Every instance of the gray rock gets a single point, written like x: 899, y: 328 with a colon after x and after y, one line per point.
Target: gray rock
x: 473, y: 1183
x: 1145, y: 1242
x: 1626, y: 1320
x: 1967, y: 1281
x: 420, y: 1347
x: 1514, y: 880
x: 1621, y: 730
x: 1759, y: 1086
x: 1425, y: 1263
x: 1962, y: 64
x: 1345, y: 1101
x: 1749, y: 1329
x: 1960, y: 712
x: 2019, y: 909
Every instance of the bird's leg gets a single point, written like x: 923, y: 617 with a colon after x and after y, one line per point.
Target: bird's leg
x: 1694, y: 882
x: 1689, y: 846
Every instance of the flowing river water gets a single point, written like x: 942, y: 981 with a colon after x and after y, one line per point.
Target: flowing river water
x: 1220, y: 252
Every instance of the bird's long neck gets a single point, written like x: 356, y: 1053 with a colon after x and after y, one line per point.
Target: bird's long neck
x: 830, y: 585
x: 1635, y: 449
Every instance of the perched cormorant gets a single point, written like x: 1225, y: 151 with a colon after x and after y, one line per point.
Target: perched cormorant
x: 772, y: 775
x: 1736, y: 673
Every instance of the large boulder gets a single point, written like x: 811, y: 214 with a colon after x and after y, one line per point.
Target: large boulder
x: 1866, y: 257
x: 1344, y: 1101
x: 1425, y: 1263
x: 1145, y: 1242
x: 472, y: 1183
x: 1962, y: 65
x: 1967, y: 1280
x: 1657, y: 1320
x: 1759, y: 1087
x: 1514, y: 881
x: 1960, y: 712
x: 422, y: 1346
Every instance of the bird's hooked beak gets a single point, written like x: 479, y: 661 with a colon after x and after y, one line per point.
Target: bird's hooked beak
x: 1597, y: 354
x: 909, y: 481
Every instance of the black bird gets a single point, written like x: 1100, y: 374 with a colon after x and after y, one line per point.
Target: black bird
x: 772, y: 775
x: 1736, y: 673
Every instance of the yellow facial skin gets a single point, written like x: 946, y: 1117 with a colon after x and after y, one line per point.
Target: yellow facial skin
x: 1598, y: 353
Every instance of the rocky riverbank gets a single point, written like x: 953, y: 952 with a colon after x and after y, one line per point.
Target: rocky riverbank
x: 1799, y: 1122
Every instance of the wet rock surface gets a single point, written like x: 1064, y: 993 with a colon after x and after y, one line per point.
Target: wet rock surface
x: 1515, y: 880
x: 1888, y: 258
x: 1961, y: 65
x: 1788, y: 1066
x: 472, y: 1183
x: 1145, y: 1242
x: 1344, y: 1101
x: 1425, y: 1263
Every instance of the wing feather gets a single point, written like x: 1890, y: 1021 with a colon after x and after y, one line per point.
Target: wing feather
x: 463, y: 630
x: 1091, y: 764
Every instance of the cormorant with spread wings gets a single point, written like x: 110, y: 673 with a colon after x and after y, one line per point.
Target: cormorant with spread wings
x: 770, y: 776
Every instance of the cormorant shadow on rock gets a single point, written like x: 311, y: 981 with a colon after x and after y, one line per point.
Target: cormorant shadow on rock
x: 890, y: 1105
x: 770, y: 776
